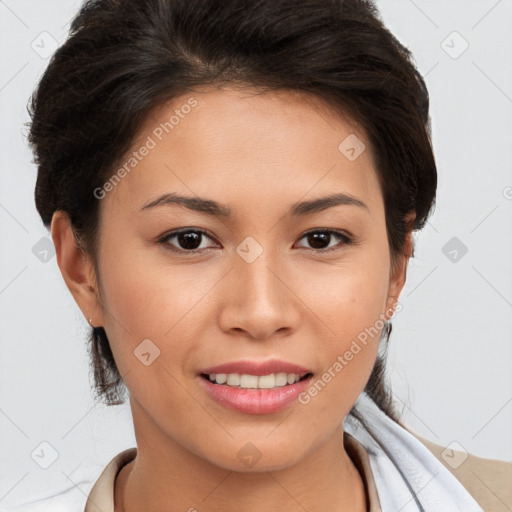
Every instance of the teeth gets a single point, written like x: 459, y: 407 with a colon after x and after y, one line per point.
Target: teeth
x: 254, y: 381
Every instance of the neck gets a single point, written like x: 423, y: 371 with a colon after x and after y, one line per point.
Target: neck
x: 166, y: 476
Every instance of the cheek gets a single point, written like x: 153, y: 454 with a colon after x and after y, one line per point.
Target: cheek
x: 349, y: 302
x: 146, y: 298
x: 139, y: 303
x: 348, y: 296
x: 150, y: 322
x: 145, y: 295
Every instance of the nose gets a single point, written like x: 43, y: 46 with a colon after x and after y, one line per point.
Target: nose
x: 258, y: 300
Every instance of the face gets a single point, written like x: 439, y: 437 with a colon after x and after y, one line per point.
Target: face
x: 271, y: 281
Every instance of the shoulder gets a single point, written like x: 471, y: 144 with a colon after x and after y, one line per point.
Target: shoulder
x: 489, y: 481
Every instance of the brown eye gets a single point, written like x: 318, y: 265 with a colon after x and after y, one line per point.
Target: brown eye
x: 189, y: 240
x: 320, y: 240
x: 186, y: 240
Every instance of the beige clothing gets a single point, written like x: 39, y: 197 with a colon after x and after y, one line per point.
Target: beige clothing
x: 488, y: 481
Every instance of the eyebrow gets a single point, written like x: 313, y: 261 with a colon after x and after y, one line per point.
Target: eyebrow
x: 216, y: 209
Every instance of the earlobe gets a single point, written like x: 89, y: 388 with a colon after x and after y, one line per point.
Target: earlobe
x: 76, y: 267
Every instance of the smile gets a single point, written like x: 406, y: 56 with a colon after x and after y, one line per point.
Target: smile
x: 246, y: 381
x: 247, y: 398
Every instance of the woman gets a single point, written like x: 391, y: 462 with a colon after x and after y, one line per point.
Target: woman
x: 231, y: 189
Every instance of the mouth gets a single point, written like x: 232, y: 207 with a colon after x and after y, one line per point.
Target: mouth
x: 248, y: 381
x: 255, y: 394
x: 255, y: 386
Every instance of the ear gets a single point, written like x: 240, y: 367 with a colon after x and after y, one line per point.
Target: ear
x: 76, y: 268
x: 398, y: 274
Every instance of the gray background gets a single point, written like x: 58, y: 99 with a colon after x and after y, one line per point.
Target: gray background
x: 451, y: 353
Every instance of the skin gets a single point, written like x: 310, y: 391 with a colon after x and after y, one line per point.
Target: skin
x: 257, y: 154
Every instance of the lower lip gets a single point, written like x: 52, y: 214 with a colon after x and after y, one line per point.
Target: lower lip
x: 255, y: 401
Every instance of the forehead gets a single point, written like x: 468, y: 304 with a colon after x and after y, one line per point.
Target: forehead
x: 241, y: 145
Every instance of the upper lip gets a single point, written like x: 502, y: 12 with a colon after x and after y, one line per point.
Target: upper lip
x: 257, y: 368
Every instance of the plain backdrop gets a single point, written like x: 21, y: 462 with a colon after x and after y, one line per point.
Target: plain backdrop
x: 450, y: 351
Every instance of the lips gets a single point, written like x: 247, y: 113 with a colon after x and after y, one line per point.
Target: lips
x: 255, y: 401
x: 277, y: 384
x: 257, y: 368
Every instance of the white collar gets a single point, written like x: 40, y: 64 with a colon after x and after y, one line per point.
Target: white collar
x: 436, y: 489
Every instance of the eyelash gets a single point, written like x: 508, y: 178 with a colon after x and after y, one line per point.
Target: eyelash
x: 346, y: 240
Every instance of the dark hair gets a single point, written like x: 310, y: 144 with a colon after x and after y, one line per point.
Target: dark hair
x: 124, y: 58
